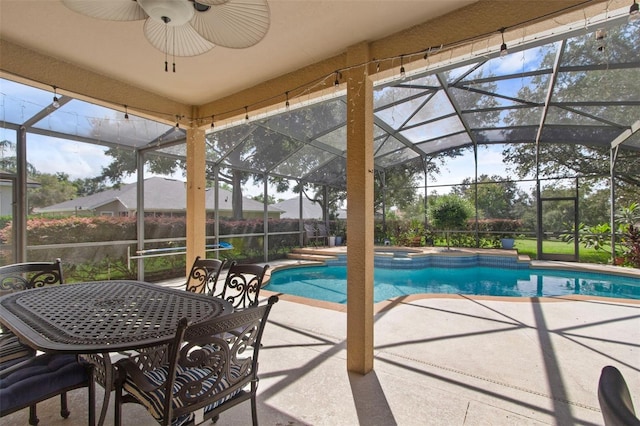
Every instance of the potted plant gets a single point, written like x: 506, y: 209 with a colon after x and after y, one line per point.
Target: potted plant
x: 339, y: 232
x: 507, y: 242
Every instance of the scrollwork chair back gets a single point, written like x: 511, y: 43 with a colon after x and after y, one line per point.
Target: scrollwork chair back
x: 23, y: 276
x: 204, y: 274
x: 242, y: 284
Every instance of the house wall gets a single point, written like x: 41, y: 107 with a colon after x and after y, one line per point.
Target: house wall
x: 6, y: 198
x: 115, y: 208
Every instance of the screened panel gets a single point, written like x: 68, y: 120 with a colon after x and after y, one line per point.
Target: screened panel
x: 21, y: 102
x: 566, y: 116
x: 333, y: 173
x: 390, y: 145
x: 307, y: 123
x: 263, y: 149
x: 398, y: 114
x: 220, y: 143
x: 437, y: 106
x: 303, y: 162
x: 619, y: 45
x: 524, y: 116
x: 79, y: 118
x: 594, y: 135
x: 623, y: 115
x: 443, y: 144
x: 336, y: 139
x: 396, y: 157
x: 510, y: 135
x: 613, y: 85
x: 468, y: 99
x: 395, y: 94
x: 433, y: 130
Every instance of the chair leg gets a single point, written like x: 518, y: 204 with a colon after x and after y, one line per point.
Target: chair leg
x: 117, y: 415
x: 33, y: 416
x: 64, y: 410
x: 91, y: 385
x: 254, y: 410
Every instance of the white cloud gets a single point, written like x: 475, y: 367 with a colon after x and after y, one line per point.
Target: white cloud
x: 76, y: 159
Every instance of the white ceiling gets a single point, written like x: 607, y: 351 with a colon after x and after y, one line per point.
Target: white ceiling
x: 302, y: 32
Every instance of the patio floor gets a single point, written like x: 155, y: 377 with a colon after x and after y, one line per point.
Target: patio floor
x: 441, y: 360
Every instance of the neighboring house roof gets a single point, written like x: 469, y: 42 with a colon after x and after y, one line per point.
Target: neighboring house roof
x: 160, y: 195
x: 5, y: 179
x: 291, y: 208
x: 310, y: 209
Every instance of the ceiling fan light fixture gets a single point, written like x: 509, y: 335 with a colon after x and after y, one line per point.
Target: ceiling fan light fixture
x: 199, y: 7
x: 171, y: 12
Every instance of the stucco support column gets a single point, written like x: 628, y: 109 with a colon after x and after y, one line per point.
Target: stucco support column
x: 359, y: 212
x: 196, y: 185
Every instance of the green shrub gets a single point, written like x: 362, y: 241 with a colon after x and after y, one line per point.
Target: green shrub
x: 450, y: 212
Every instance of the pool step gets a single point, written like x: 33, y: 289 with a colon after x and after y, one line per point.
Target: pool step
x: 310, y: 254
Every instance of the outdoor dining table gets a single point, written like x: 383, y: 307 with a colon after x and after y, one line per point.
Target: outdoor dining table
x: 99, y: 318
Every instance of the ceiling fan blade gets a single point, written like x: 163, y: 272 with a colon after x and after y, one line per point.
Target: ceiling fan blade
x: 112, y: 10
x: 180, y: 40
x: 235, y: 23
x: 212, y: 2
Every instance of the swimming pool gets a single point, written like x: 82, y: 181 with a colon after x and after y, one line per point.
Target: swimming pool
x: 328, y: 283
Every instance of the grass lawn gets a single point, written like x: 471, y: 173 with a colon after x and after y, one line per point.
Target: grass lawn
x: 528, y: 247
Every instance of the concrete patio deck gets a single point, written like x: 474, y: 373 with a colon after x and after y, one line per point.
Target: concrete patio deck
x: 453, y: 360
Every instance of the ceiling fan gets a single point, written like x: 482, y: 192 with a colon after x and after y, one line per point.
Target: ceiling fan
x: 186, y: 27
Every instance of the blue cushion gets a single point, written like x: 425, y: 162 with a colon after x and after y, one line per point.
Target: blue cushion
x: 11, y: 348
x: 45, y: 376
x: 153, y: 401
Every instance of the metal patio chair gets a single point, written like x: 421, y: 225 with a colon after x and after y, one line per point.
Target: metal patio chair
x: 25, y: 377
x: 23, y: 276
x: 310, y: 235
x: 200, y: 373
x: 615, y: 399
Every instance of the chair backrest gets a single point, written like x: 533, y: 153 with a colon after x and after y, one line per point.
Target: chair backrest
x: 615, y: 400
x: 206, y: 363
x: 322, y: 230
x: 22, y: 276
x: 204, y: 275
x: 242, y: 284
x: 310, y: 230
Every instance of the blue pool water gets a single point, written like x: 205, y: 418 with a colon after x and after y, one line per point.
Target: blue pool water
x: 329, y: 282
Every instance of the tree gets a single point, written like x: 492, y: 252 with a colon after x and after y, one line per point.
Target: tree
x: 88, y: 186
x: 496, y: 196
x: 315, y: 194
x: 450, y: 212
x: 125, y: 164
x: 260, y: 197
x: 8, y: 159
x: 52, y: 189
